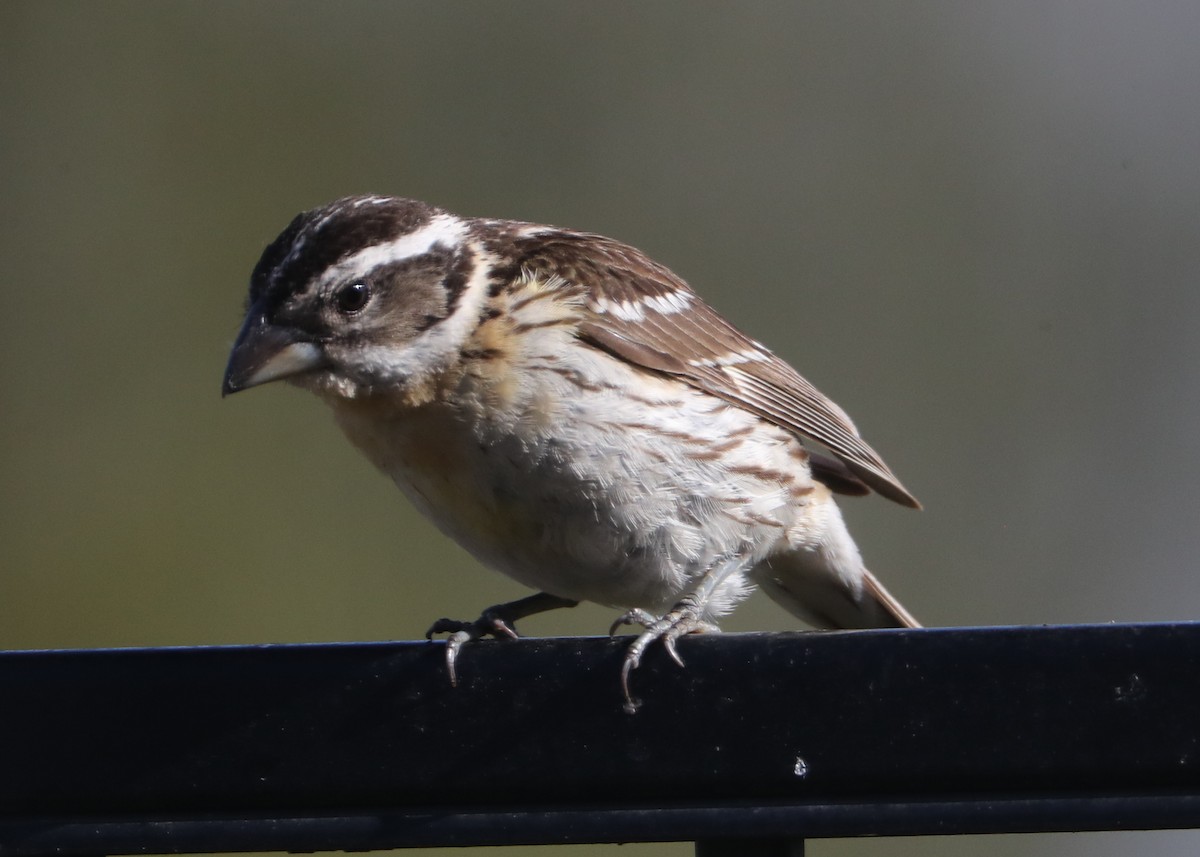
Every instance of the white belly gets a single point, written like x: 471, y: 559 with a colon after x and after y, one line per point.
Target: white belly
x: 575, y: 488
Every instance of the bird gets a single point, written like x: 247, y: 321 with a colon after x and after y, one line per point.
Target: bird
x: 574, y: 415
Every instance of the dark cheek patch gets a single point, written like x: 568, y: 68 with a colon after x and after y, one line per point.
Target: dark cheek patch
x: 412, y: 296
x: 454, y: 284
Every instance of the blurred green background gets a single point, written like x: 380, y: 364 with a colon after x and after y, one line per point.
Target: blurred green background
x: 976, y: 226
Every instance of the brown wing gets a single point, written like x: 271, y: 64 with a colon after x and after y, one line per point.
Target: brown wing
x: 643, y: 313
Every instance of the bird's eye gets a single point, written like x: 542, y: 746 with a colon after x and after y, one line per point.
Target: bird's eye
x: 352, y: 297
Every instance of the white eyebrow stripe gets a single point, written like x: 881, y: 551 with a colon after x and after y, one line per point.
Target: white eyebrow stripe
x: 444, y: 229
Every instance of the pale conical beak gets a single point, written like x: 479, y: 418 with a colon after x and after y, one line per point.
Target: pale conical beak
x: 265, y: 352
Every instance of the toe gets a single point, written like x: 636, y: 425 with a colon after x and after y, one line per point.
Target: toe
x: 636, y: 616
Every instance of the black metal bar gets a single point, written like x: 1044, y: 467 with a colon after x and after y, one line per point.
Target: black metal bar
x: 768, y: 737
x: 449, y: 826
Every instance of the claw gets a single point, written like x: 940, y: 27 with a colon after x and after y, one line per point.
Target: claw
x: 684, y: 618
x: 496, y: 621
x: 454, y: 645
x: 490, y: 624
x: 631, y: 663
x: 669, y: 645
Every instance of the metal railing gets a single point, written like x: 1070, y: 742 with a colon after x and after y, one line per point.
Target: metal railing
x: 762, y: 741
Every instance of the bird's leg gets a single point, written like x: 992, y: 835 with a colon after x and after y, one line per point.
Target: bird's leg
x: 495, y: 621
x: 686, y: 617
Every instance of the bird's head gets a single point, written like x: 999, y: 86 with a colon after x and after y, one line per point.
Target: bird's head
x: 359, y: 296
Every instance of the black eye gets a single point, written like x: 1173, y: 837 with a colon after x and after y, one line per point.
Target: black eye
x: 352, y: 298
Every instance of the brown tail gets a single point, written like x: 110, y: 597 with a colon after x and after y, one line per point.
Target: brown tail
x: 873, y: 589
x: 823, y: 600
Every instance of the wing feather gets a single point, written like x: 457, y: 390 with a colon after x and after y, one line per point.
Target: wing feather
x: 642, y: 312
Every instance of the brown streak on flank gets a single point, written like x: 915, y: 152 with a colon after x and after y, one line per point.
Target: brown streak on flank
x: 661, y: 432
x: 735, y: 500
x: 660, y: 457
x: 574, y: 377
x: 490, y: 337
x: 482, y: 353
x: 526, y: 326
x: 743, y: 431
x: 525, y: 300
x: 712, y: 452
x: 644, y: 400
x: 764, y: 473
x: 752, y: 518
x: 796, y: 452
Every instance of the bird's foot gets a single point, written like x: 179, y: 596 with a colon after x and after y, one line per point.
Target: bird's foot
x: 496, y: 621
x: 684, y: 618
x: 636, y: 616
x: 491, y: 623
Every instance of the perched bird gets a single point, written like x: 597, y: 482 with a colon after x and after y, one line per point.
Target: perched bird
x: 573, y: 414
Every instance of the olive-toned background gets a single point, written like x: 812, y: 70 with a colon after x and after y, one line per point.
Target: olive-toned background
x: 976, y: 226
